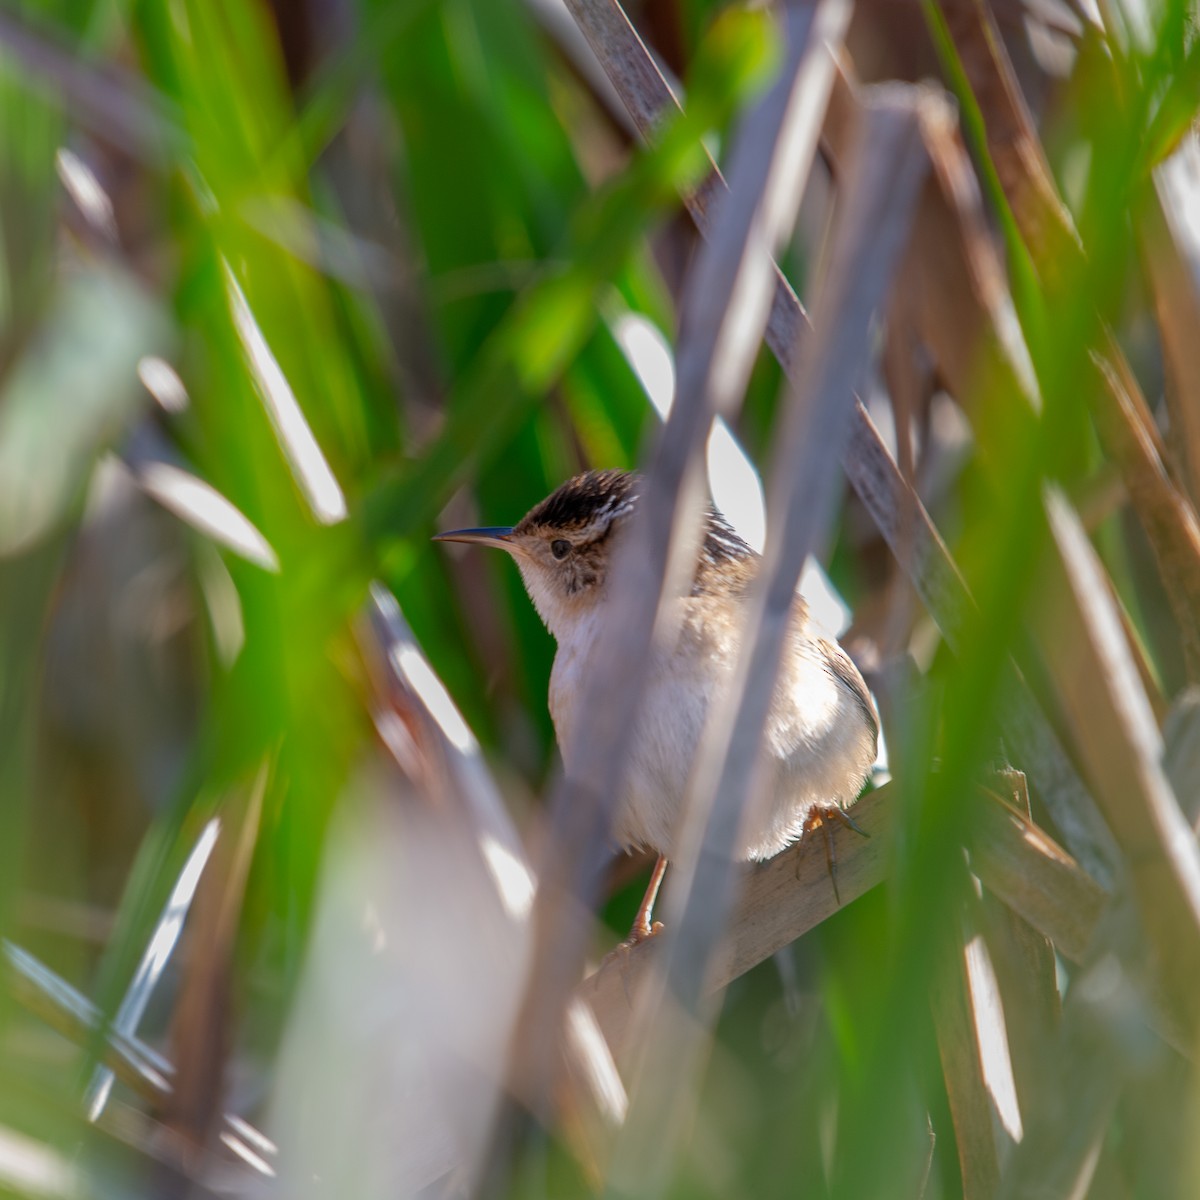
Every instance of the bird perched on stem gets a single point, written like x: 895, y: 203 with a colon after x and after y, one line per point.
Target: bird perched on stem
x: 820, y: 737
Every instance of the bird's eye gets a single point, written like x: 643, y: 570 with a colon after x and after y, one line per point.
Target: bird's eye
x: 560, y: 548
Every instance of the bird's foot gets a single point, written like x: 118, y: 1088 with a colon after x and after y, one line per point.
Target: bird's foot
x: 644, y: 926
x: 642, y: 931
x: 621, y: 952
x: 823, y: 817
x: 831, y: 812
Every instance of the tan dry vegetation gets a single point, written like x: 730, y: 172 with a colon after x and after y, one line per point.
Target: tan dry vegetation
x: 381, y: 279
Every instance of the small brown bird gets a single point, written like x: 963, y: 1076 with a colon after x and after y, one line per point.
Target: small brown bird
x: 821, y: 733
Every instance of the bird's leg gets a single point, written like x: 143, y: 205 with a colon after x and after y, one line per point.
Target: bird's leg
x: 643, y: 927
x: 822, y: 817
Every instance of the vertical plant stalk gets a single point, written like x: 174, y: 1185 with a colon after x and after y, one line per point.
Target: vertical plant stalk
x: 1130, y: 437
x: 1026, y: 972
x: 720, y: 329
x: 1016, y: 151
x: 874, y: 212
x: 1066, y: 1127
x: 962, y: 302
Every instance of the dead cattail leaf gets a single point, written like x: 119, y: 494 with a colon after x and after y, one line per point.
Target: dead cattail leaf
x: 155, y: 957
x: 1181, y: 755
x: 1026, y: 972
x: 139, y: 1066
x: 1170, y: 244
x: 968, y: 1024
x: 1024, y: 867
x: 1041, y: 885
x: 1164, y: 510
x: 1116, y: 736
x: 1064, y: 1131
x: 961, y: 304
x: 427, y: 736
x: 1025, y: 968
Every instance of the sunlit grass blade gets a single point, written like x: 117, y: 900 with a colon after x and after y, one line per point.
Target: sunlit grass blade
x: 154, y: 961
x: 137, y: 1065
x: 444, y: 755
x: 196, y: 502
x: 296, y: 439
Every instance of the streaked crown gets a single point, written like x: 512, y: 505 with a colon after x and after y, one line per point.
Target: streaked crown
x: 591, y: 506
x: 584, y: 507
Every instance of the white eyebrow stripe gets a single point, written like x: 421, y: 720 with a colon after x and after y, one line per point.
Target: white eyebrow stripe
x: 603, y: 517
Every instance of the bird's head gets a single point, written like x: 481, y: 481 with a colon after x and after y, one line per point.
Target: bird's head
x: 564, y: 545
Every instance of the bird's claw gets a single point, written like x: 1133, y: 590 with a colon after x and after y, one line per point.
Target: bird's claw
x: 620, y: 953
x: 641, y: 932
x: 821, y: 818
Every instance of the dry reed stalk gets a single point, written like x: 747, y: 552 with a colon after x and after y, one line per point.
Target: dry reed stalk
x: 871, y: 226
x: 717, y: 343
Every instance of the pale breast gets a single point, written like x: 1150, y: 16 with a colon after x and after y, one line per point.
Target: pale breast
x: 820, y: 742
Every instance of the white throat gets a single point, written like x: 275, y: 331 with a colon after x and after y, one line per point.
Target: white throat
x: 563, y: 616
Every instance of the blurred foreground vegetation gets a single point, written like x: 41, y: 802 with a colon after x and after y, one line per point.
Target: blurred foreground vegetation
x: 284, y: 288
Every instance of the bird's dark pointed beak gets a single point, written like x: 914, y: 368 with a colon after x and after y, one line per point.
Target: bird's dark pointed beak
x: 499, y: 536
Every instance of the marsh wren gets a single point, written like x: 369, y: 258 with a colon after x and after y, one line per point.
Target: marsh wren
x: 820, y: 739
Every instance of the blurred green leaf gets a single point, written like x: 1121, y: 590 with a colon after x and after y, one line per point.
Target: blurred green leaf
x: 70, y: 395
